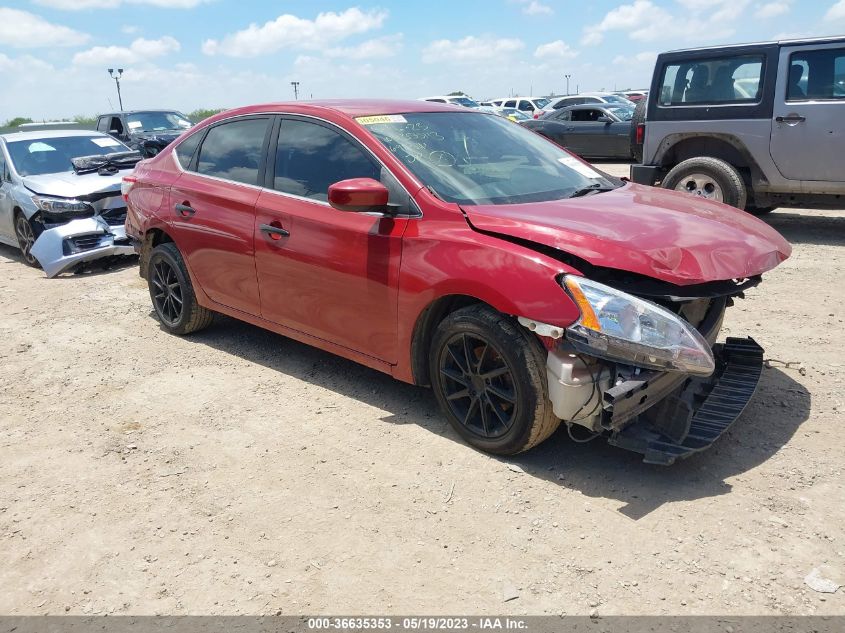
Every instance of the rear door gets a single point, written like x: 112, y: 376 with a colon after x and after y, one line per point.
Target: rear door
x: 808, y: 133
x: 328, y: 273
x: 212, y: 207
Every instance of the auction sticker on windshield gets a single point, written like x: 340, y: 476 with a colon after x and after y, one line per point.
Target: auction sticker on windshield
x: 105, y: 142
x: 381, y: 118
x: 577, y: 165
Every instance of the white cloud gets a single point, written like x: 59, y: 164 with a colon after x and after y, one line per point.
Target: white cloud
x: 772, y: 9
x: 836, y: 12
x: 557, y: 49
x: 378, y: 48
x: 643, y: 20
x: 695, y: 21
x: 129, y: 29
x: 139, y: 50
x: 470, y: 49
x: 290, y: 31
x: 536, y: 8
x: 81, y: 5
x: 643, y: 59
x: 21, y: 29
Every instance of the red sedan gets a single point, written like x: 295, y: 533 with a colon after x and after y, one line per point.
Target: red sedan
x: 454, y: 249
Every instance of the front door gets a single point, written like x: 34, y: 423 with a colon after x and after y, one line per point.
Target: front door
x: 7, y: 222
x: 328, y: 273
x: 212, y: 210
x: 807, y: 131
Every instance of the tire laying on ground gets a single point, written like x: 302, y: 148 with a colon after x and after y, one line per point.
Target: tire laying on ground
x: 489, y: 377
x: 172, y: 294
x: 636, y: 119
x: 710, y: 178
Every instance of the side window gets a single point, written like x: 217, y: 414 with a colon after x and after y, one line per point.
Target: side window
x: 510, y: 104
x: 4, y: 173
x: 526, y: 106
x: 115, y: 125
x: 103, y: 124
x: 712, y: 81
x: 437, y: 100
x: 586, y: 115
x: 310, y: 157
x: 818, y: 74
x: 233, y: 150
x: 186, y: 149
x: 563, y: 115
x: 588, y: 100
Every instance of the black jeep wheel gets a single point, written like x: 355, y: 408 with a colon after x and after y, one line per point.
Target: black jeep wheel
x: 489, y: 377
x: 172, y: 293
x: 710, y: 178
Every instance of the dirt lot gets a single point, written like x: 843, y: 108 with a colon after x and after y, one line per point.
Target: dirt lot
x: 240, y: 472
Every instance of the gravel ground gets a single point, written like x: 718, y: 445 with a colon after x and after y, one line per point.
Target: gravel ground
x: 236, y: 471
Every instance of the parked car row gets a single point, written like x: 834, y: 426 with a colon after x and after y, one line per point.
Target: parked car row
x: 442, y: 245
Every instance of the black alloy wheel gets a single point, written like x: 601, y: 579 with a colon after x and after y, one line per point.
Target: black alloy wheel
x: 478, y: 385
x: 172, y: 294
x: 167, y: 293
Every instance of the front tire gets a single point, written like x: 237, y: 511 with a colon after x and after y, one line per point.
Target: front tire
x: 172, y: 294
x: 489, y: 377
x: 710, y: 178
x: 26, y: 233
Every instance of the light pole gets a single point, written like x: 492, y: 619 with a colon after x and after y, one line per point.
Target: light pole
x: 295, y: 85
x: 567, y: 83
x: 117, y: 81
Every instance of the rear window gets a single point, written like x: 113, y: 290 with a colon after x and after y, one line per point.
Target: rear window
x: 722, y: 80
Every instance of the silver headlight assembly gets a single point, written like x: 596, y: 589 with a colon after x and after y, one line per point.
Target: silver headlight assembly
x: 618, y: 326
x: 59, y: 206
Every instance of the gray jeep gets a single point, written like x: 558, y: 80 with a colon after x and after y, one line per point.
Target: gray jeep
x: 756, y: 126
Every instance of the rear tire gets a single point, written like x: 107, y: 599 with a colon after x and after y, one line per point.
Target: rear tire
x: 710, y: 178
x: 489, y: 377
x: 172, y: 294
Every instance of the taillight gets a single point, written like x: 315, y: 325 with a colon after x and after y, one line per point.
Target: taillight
x: 126, y: 185
x: 536, y: 115
x: 640, y: 136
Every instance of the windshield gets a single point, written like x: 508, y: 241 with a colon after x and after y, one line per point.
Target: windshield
x: 624, y: 113
x: 616, y: 99
x: 36, y: 157
x: 157, y: 121
x: 473, y: 158
x: 541, y: 103
x: 464, y: 101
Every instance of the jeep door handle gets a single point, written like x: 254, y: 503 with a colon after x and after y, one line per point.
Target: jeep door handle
x: 275, y: 232
x: 185, y: 210
x: 793, y: 118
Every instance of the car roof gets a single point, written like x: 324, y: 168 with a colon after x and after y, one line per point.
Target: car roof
x: 786, y: 42
x: 11, y: 137
x: 347, y: 107
x: 140, y: 111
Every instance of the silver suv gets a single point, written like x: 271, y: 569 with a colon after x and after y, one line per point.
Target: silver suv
x: 756, y: 126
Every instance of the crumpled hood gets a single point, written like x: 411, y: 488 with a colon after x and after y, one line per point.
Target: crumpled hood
x: 666, y: 235
x: 72, y: 185
x: 165, y: 136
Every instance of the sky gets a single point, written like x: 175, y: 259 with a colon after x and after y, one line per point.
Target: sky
x: 189, y: 54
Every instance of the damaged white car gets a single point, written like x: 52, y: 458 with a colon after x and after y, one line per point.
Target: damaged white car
x: 60, y: 200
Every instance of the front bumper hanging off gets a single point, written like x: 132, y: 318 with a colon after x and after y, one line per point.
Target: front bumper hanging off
x: 60, y: 248
x: 676, y: 416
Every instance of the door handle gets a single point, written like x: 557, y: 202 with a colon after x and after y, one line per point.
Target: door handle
x: 792, y: 118
x: 275, y: 232
x: 185, y: 210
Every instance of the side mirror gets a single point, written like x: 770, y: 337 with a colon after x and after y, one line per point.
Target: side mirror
x: 358, y: 195
x: 604, y: 119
